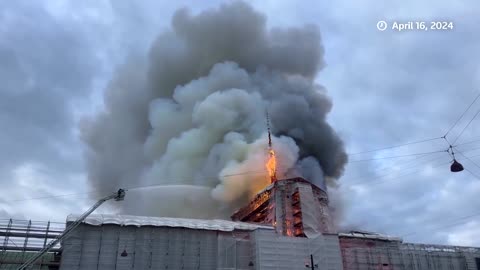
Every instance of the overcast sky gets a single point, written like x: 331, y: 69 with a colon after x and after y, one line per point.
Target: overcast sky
x: 388, y: 88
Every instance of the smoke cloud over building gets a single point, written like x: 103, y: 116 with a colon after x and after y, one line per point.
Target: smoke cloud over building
x: 191, y: 118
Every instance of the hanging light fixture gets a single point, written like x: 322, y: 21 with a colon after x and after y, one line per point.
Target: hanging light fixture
x: 124, y: 253
x: 456, y: 166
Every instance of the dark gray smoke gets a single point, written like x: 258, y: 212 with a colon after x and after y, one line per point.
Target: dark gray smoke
x: 192, y: 118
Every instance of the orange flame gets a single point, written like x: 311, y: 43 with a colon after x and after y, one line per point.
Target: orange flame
x: 272, y: 165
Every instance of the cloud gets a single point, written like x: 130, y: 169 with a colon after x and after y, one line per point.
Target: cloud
x: 465, y: 235
x: 195, y: 109
x: 47, y: 63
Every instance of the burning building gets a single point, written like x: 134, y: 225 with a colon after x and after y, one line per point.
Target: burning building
x: 286, y: 226
x: 293, y: 206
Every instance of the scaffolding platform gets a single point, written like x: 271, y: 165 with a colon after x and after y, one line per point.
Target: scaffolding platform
x: 21, y: 239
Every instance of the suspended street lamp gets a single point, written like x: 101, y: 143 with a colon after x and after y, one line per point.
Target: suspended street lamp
x: 456, y: 166
x: 124, y: 253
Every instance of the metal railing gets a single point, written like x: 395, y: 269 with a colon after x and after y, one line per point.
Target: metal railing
x: 21, y: 239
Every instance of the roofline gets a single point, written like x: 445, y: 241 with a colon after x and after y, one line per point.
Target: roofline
x: 189, y: 223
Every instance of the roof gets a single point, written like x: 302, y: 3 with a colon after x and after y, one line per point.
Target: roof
x: 369, y: 235
x: 138, y: 221
x: 267, y: 188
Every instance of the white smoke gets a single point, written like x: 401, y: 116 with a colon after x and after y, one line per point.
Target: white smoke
x: 192, y: 119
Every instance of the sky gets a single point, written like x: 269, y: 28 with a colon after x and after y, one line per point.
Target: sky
x: 388, y: 88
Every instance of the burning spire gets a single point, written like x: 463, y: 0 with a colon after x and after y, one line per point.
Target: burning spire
x: 269, y: 136
x: 272, y: 161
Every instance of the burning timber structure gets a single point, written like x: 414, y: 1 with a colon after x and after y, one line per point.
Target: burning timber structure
x: 286, y: 226
x: 294, y: 207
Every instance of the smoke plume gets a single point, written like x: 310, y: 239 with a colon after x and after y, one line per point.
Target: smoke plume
x: 190, y: 120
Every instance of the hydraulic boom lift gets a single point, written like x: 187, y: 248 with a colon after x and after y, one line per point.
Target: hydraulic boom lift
x: 118, y: 196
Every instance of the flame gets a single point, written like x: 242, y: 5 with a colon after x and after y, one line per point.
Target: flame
x: 272, y: 165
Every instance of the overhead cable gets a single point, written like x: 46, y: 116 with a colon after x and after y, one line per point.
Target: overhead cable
x: 461, y: 116
x: 396, y: 146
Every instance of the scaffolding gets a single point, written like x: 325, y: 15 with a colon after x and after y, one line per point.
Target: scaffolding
x: 113, y: 246
x: 373, y: 252
x: 294, y: 206
x: 21, y: 239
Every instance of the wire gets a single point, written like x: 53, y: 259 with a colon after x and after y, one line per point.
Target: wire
x: 408, y: 155
x: 463, y: 130
x: 388, y: 166
x: 212, y: 178
x: 105, y: 191
x: 431, y: 139
x: 358, y: 183
x: 53, y: 196
x: 474, y: 156
x: 396, y: 146
x: 461, y: 116
x: 163, y: 185
x: 476, y: 176
x: 394, y: 170
x: 126, y: 188
x: 467, y: 150
x: 468, y: 158
x: 468, y: 142
x: 263, y: 171
x: 447, y: 225
x: 391, y: 171
x: 370, y: 183
x: 461, y: 218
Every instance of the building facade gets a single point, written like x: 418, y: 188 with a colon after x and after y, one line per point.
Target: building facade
x: 111, y: 242
x: 286, y: 226
x: 293, y: 206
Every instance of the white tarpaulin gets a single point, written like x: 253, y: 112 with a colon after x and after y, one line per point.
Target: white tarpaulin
x: 202, y: 224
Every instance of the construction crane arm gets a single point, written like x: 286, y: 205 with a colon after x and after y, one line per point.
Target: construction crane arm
x: 118, y: 196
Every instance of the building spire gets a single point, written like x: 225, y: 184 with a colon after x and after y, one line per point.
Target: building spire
x: 272, y: 160
x: 269, y: 132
